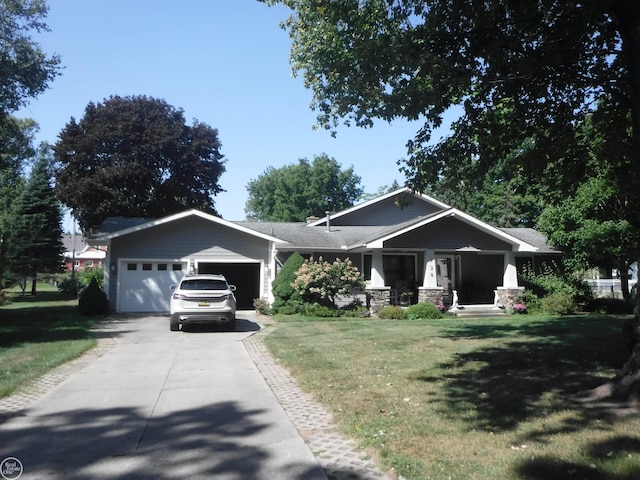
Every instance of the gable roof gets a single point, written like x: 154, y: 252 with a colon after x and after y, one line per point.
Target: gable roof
x: 115, y: 227
x: 380, y: 199
x: 302, y: 237
x: 317, y: 236
x: 532, y: 237
x: 520, y: 244
x: 73, y: 243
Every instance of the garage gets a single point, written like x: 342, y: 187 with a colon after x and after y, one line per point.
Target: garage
x: 145, y: 286
x: 245, y: 276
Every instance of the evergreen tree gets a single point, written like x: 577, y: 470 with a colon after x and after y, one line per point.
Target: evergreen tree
x: 35, y: 240
x: 16, y: 137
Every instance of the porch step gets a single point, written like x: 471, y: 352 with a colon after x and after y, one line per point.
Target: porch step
x: 479, y: 311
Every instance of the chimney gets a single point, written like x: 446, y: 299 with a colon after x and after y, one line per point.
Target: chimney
x: 328, y: 220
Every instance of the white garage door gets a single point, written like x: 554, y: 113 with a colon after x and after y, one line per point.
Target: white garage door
x: 145, y: 286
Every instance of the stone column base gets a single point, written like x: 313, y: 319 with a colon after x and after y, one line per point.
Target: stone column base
x: 433, y: 295
x: 377, y: 297
x: 507, y: 296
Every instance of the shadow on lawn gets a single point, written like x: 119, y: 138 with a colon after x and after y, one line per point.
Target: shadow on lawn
x: 508, y: 382
x: 43, y: 323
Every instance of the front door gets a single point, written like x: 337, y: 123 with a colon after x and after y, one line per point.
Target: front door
x: 446, y: 275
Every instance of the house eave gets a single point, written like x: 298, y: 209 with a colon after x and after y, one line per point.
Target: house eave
x: 517, y: 244
x: 178, y: 216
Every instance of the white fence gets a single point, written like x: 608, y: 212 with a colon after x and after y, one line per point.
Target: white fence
x: 608, y: 287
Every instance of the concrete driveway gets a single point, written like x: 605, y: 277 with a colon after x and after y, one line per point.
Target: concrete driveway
x: 161, y: 405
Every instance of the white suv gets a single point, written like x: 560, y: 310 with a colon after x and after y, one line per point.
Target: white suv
x: 203, y: 299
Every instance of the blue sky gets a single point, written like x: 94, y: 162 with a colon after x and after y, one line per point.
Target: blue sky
x: 225, y: 63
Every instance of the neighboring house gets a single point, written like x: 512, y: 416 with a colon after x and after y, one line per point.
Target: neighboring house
x: 401, y: 241
x: 78, y: 255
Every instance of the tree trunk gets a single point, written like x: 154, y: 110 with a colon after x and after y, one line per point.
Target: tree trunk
x: 624, y: 281
x: 34, y: 281
x: 626, y: 386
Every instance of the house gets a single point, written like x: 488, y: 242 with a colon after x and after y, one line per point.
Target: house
x: 401, y: 241
x: 78, y: 255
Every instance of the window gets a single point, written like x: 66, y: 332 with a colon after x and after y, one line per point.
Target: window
x: 132, y: 266
x: 162, y: 267
x: 88, y: 263
x: 147, y: 266
x: 176, y: 266
x: 201, y: 284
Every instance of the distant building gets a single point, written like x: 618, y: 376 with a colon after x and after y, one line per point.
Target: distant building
x: 83, y: 255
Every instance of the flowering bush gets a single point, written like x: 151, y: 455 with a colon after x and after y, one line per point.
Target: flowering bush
x: 519, y: 308
x: 320, y: 281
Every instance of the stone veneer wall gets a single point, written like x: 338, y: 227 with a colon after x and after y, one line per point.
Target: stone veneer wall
x: 508, y: 296
x: 431, y: 295
x: 378, y: 298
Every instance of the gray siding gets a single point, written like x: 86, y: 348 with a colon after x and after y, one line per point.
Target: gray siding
x: 386, y: 213
x: 447, y: 234
x: 190, y: 237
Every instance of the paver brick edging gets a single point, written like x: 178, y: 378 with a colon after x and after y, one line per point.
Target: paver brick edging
x: 339, y: 456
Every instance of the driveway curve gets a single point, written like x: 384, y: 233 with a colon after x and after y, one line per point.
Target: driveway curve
x: 161, y: 405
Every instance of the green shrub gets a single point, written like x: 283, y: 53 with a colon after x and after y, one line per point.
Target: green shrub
x: 289, y: 309
x: 531, y: 300
x: 93, y: 301
x: 69, y: 286
x: 286, y: 300
x: 355, y: 309
x: 72, y: 285
x: 552, y: 280
x: 613, y: 306
x: 317, y: 310
x: 559, y: 303
x: 423, y: 310
x: 392, y: 312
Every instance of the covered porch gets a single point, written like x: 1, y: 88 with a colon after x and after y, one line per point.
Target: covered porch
x: 453, y: 278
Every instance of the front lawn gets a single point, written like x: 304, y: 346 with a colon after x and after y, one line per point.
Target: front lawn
x: 37, y: 334
x: 470, y: 399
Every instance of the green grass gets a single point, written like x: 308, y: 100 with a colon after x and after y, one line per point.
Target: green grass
x: 470, y: 399
x: 38, y: 334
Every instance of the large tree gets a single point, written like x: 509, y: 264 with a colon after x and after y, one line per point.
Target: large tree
x: 35, y: 243
x: 16, y: 137
x: 507, y: 71
x: 510, y: 71
x: 297, y: 191
x: 135, y: 156
x: 25, y: 69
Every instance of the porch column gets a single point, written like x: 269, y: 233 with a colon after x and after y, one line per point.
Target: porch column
x: 430, y: 280
x: 377, y: 293
x: 429, y: 291
x: 377, y: 270
x: 510, y: 279
x: 507, y: 295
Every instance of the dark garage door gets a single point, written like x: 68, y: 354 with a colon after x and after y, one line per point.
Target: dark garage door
x: 245, y: 276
